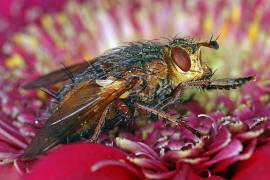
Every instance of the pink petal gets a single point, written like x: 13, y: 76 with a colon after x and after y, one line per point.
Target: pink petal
x: 175, y: 145
x: 10, y: 134
x: 134, y: 147
x: 249, y: 135
x: 233, y: 149
x: 246, y: 154
x: 148, y: 163
x: 193, y: 151
x: 220, y: 141
x: 8, y: 171
x: 226, y: 102
x: 193, y: 160
x: 149, y: 149
x: 195, y: 107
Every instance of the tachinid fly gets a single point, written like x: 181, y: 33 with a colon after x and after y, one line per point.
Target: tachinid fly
x: 141, y: 76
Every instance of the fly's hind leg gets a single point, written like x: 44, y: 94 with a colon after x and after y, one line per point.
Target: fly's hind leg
x: 100, y: 125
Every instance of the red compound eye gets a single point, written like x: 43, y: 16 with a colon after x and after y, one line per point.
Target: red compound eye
x: 181, y: 58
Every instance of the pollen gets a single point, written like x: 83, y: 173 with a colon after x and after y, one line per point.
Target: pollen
x: 62, y: 19
x: 86, y: 54
x: 208, y: 24
x: 41, y: 95
x: 15, y: 61
x: 253, y: 31
x: 236, y: 14
x: 224, y: 30
x: 26, y: 40
x: 47, y: 21
x: 18, y: 38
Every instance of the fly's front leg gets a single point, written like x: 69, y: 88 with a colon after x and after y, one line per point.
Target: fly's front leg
x: 226, y: 84
x: 176, y: 94
x: 180, y: 88
x: 100, y: 125
x: 171, y: 118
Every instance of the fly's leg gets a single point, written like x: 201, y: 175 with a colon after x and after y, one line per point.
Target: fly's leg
x: 179, y: 90
x: 123, y: 108
x: 171, y: 118
x: 208, y: 84
x: 176, y: 94
x: 100, y: 125
x: 126, y: 113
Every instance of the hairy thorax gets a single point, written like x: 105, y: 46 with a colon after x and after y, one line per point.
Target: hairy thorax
x: 153, y: 80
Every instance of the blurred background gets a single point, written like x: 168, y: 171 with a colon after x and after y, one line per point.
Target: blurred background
x: 36, y: 36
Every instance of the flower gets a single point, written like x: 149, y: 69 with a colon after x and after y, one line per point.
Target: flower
x: 162, y: 152
x: 36, y: 36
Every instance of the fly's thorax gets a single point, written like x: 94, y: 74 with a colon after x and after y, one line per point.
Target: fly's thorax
x: 156, y: 73
x: 184, y: 64
x: 156, y: 69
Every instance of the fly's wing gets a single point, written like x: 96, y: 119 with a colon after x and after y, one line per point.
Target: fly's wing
x: 81, y: 106
x: 56, y: 76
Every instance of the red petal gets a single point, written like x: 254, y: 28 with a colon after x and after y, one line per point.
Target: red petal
x: 257, y: 167
x: 74, y: 161
x: 186, y: 173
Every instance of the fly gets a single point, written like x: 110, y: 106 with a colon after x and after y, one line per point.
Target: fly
x: 115, y: 85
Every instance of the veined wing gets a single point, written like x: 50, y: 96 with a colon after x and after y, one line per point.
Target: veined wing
x: 56, y: 76
x: 81, y: 106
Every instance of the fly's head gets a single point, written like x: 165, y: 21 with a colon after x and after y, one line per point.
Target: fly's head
x: 184, y: 60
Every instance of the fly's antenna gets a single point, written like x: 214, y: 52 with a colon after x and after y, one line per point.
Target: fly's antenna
x: 214, y: 43
x: 211, y: 44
